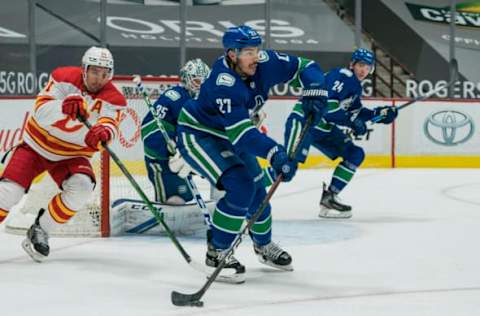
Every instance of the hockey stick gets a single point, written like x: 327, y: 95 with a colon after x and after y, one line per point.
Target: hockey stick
x: 181, y: 299
x: 172, y: 149
x: 156, y: 214
x: 453, y: 70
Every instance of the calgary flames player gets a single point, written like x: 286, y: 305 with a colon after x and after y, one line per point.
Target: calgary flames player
x: 56, y: 141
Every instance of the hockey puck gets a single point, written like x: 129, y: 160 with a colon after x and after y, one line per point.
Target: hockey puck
x: 197, y: 303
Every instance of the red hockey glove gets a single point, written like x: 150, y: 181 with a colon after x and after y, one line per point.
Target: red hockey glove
x: 97, y: 135
x: 74, y: 105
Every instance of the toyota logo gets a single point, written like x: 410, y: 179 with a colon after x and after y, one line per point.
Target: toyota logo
x: 448, y: 128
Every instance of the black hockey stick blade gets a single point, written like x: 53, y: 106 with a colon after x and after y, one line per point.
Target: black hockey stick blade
x: 180, y: 299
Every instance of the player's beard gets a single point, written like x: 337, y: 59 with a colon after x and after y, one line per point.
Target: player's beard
x: 248, y: 70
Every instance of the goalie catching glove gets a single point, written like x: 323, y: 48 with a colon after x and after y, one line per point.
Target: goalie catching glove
x: 178, y: 165
x: 97, y: 135
x: 74, y: 106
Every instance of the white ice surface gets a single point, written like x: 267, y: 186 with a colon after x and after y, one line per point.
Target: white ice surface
x: 411, y: 248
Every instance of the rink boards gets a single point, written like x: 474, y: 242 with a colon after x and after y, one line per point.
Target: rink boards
x: 426, y: 134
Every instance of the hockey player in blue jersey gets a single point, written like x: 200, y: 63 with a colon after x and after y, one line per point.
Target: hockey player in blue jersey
x: 345, y: 110
x: 217, y: 138
x: 170, y: 186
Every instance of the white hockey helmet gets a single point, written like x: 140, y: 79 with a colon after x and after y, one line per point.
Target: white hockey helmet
x: 97, y: 56
x: 193, y: 74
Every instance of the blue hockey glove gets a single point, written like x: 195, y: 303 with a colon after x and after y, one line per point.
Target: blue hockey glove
x: 281, y: 164
x: 314, y: 102
x: 384, y: 114
x: 358, y: 126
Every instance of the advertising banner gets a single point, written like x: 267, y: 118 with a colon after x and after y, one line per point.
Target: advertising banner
x: 426, y: 134
x: 444, y: 128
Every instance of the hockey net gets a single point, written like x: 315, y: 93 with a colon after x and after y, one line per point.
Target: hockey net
x: 97, y: 218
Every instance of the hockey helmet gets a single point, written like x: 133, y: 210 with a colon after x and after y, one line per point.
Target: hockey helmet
x: 364, y: 55
x: 97, y: 56
x: 193, y: 74
x: 239, y: 37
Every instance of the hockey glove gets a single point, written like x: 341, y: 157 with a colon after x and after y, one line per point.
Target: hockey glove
x: 74, y: 105
x: 384, y: 114
x: 358, y: 126
x: 314, y: 102
x: 97, y: 135
x: 281, y: 164
x: 179, y: 166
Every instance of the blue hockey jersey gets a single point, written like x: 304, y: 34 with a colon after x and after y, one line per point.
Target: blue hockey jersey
x: 167, y: 108
x: 225, y: 99
x: 344, y: 93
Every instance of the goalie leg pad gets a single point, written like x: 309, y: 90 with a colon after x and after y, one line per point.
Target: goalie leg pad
x: 166, y: 183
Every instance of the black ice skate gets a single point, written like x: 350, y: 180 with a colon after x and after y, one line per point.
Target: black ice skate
x: 272, y: 255
x: 330, y: 206
x: 36, y: 243
x: 232, y: 272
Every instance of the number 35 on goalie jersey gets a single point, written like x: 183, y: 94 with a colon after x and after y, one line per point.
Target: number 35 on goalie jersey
x: 167, y: 108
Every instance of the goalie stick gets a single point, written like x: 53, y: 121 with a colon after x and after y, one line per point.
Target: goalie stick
x: 194, y: 264
x: 181, y: 299
x: 454, y: 72
x: 172, y: 149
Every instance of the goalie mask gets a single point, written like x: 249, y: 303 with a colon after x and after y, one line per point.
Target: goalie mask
x: 97, y: 56
x: 193, y: 74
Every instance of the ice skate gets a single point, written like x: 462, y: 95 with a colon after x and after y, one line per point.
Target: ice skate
x: 36, y: 243
x: 233, y: 271
x: 272, y: 255
x: 331, y: 207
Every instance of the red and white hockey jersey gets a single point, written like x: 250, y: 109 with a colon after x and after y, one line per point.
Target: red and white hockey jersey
x: 53, y: 134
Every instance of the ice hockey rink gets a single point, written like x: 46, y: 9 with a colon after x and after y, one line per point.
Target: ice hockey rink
x: 411, y: 248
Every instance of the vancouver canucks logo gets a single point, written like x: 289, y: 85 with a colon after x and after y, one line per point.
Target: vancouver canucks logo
x: 263, y: 56
x: 172, y: 95
x: 225, y: 79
